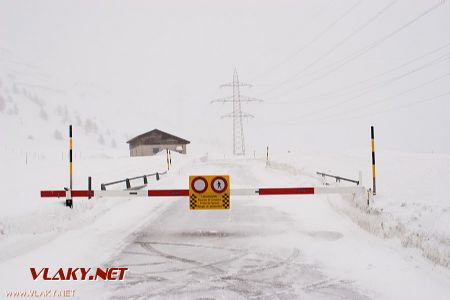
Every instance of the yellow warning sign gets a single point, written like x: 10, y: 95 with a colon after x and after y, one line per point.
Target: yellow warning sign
x: 209, y: 192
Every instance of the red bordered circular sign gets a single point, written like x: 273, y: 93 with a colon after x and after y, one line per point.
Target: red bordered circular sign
x: 219, y: 184
x: 199, y: 184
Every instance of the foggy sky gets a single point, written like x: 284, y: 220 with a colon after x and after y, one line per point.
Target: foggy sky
x: 158, y: 64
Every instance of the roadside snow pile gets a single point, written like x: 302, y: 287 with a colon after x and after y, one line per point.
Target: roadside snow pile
x: 28, y: 221
x: 412, y: 201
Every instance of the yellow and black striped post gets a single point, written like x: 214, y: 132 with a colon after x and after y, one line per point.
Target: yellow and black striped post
x: 372, y: 134
x: 69, y: 199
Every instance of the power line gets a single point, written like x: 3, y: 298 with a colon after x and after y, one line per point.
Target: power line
x: 375, y: 103
x: 377, y: 112
x: 336, y: 46
x: 329, y: 27
x: 347, y: 89
x: 359, y: 53
x: 379, y: 85
x: 402, y: 106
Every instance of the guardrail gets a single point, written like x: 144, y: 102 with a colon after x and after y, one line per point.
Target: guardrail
x: 128, y: 180
x: 338, y: 178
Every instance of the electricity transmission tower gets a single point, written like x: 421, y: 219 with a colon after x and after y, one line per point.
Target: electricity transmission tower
x: 237, y: 114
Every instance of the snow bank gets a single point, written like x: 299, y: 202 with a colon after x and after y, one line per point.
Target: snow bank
x: 412, y: 203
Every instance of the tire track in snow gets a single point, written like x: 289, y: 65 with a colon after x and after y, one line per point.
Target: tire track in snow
x: 176, y: 258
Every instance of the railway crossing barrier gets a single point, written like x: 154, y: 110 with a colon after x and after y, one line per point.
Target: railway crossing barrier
x: 219, y: 203
x: 215, y: 197
x: 185, y: 192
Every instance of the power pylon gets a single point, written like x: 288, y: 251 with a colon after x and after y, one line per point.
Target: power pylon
x: 237, y: 114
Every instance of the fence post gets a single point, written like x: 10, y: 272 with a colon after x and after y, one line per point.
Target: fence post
x: 167, y: 158
x: 128, y: 183
x: 374, y: 186
x: 103, y: 187
x: 157, y: 176
x: 145, y: 179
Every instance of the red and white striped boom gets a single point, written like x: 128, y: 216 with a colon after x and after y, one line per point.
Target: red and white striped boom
x: 185, y: 192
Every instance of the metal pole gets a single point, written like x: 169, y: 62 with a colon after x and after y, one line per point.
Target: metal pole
x: 89, y: 185
x: 372, y: 134
x: 69, y: 199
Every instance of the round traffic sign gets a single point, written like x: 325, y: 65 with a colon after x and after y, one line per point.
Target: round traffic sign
x: 199, y: 184
x: 219, y: 184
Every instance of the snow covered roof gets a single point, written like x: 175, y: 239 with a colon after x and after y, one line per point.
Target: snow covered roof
x: 157, y: 137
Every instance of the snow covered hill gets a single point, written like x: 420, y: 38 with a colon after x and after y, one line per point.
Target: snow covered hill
x: 40, y: 108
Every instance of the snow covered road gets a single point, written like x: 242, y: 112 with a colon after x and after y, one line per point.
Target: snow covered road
x: 268, y: 248
x: 264, y: 247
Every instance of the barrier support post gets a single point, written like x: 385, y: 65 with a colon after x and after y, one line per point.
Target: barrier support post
x: 89, y: 186
x: 69, y: 201
x: 374, y: 186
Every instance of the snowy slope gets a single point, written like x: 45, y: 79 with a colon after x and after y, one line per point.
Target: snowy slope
x: 40, y: 108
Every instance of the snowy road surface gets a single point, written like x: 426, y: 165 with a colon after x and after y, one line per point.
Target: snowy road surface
x: 277, y: 247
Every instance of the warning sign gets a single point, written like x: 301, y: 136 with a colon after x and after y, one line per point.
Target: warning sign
x: 209, y: 192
